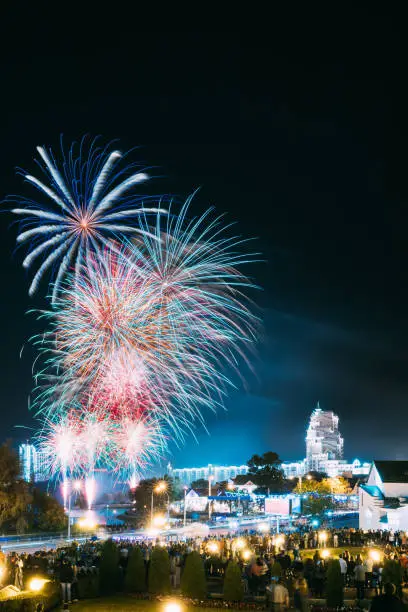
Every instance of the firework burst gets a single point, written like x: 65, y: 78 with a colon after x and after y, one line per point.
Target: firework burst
x: 150, y: 322
x: 88, y: 205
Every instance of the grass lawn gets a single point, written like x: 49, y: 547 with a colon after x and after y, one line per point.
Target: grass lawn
x: 121, y: 603
x: 335, y: 552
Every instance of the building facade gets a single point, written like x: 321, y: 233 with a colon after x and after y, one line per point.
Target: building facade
x: 32, y: 463
x: 217, y: 473
x: 383, y: 500
x: 323, y: 439
x: 324, y: 450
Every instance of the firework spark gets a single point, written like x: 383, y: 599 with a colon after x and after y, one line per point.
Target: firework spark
x: 90, y: 208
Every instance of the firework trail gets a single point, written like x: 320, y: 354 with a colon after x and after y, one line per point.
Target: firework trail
x: 82, y: 208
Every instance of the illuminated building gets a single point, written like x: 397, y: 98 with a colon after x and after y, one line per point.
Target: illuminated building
x: 324, y: 450
x: 383, y: 500
x: 218, y: 473
x: 323, y: 439
x: 32, y: 463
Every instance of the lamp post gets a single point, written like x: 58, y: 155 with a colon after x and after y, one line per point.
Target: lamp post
x: 184, y: 507
x: 159, y: 488
x: 76, y: 487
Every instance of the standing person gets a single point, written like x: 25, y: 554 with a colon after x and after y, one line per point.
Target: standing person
x: 368, y: 566
x: 301, y: 595
x: 335, y: 541
x: 343, y: 569
x: 280, y: 596
x: 66, y: 576
x: 18, y: 574
x: 319, y: 576
x: 359, y: 575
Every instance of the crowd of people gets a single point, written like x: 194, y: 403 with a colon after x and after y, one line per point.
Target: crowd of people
x: 277, y: 565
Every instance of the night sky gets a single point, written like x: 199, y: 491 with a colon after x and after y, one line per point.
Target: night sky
x: 301, y: 138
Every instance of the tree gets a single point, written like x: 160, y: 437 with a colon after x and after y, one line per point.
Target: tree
x: 334, y: 587
x: 201, y: 483
x: 159, y: 571
x: 14, y: 492
x: 338, y: 485
x: 233, y: 587
x: 265, y: 472
x: 46, y: 513
x: 109, y: 568
x: 135, y: 579
x: 21, y: 525
x: 193, y: 582
x: 318, y: 498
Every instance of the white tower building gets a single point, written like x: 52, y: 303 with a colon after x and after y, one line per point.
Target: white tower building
x: 323, y: 440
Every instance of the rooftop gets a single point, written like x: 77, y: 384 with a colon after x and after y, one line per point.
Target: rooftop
x: 392, y: 471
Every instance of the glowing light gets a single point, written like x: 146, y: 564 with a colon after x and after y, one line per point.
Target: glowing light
x: 375, y: 555
x: 37, y: 584
x: 159, y: 521
x: 322, y: 536
x: 161, y: 487
x: 263, y: 527
x: 325, y: 553
x: 213, y: 547
x: 172, y: 606
x: 246, y: 555
x: 87, y: 522
x: 239, y: 543
x: 279, y: 540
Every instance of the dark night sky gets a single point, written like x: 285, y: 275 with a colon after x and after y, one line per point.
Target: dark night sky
x: 301, y: 137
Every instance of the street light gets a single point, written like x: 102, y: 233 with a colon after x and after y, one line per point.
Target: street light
x: 159, y: 488
x: 37, y: 584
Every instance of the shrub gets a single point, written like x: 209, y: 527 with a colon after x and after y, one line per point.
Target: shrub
x: 193, y: 582
x: 135, y: 579
x: 233, y: 587
x: 159, y: 571
x: 334, y: 587
x: 88, y: 586
x: 393, y: 573
x: 109, y: 568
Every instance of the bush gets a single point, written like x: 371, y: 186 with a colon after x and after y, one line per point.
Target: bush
x: 193, y: 582
x: 233, y: 587
x: 334, y: 587
x: 135, y: 579
x: 393, y: 573
x: 88, y: 586
x: 159, y: 571
x: 109, y: 568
